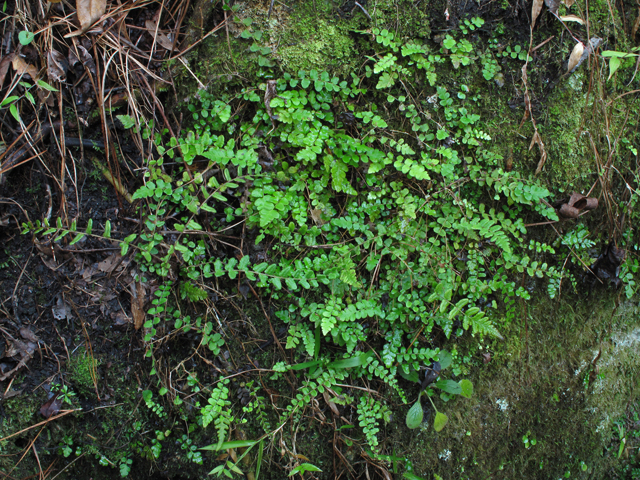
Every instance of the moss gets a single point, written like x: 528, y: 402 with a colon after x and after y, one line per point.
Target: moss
x: 570, y: 163
x: 540, y: 384
x: 313, y: 43
x: 83, y: 368
x: 18, y: 413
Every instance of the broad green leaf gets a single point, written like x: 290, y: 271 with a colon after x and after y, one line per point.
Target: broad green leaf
x: 445, y: 359
x: 614, y: 64
x: 449, y: 386
x: 259, y: 463
x: 25, y: 37
x: 412, y: 376
x: 351, y: 362
x: 411, y: 476
x: 440, y: 421
x: 304, y: 467
x: 9, y: 100
x: 14, y: 112
x: 46, y: 86
x: 302, y: 366
x: 415, y: 415
x: 467, y: 388
x: 613, y: 54
x: 232, y: 444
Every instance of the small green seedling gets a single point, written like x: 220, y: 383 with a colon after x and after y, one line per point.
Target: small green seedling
x: 463, y: 388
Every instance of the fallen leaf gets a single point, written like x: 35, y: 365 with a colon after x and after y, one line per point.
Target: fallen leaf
x: 4, y: 67
x: 574, y: 58
x: 162, y: 38
x: 568, y: 3
x: 552, y: 5
x: 121, y: 319
x: 23, y: 68
x: 89, y: 11
x: 57, y: 66
x: 51, y: 407
x: 109, y: 263
x: 60, y: 311
x: 331, y: 403
x: 138, y: 293
x: 535, y: 11
x: 87, y: 59
x: 572, y: 18
x: 27, y: 334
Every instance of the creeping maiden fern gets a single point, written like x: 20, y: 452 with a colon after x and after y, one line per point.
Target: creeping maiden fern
x: 217, y: 410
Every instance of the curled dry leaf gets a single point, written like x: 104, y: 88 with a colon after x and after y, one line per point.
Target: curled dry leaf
x: 535, y: 11
x: 543, y: 153
x: 572, y: 18
x: 87, y: 59
x: 591, y: 47
x: 89, y: 11
x: 23, y: 68
x: 57, y: 66
x: 574, y: 58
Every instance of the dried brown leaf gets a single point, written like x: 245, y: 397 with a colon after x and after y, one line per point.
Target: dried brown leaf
x: 162, y: 38
x: 51, y: 407
x: 553, y: 5
x: 572, y: 18
x: 4, y: 67
x: 56, y: 66
x: 568, y: 3
x: 89, y: 11
x: 60, y: 310
x: 537, y: 140
x: 87, y: 59
x: 536, y: 7
x: 331, y: 403
x: 23, y: 68
x: 138, y: 301
x: 27, y: 334
x: 110, y: 263
x: 574, y: 58
x: 634, y: 30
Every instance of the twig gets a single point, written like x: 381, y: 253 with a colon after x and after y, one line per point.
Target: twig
x: 44, y: 422
x: 15, y: 288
